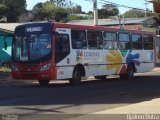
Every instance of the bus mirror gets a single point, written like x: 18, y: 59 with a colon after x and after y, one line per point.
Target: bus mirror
x: 5, y: 45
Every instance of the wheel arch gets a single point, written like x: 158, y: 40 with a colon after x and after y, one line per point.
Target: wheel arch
x: 81, y: 68
x: 133, y: 65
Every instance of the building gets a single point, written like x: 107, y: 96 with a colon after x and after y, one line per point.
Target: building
x: 6, y: 30
x: 156, y: 5
x: 128, y: 23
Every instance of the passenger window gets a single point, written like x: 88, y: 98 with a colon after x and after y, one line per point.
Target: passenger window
x: 62, y: 48
x: 148, y: 42
x: 95, y: 40
x: 78, y: 39
x: 124, y: 41
x: 137, y: 42
x: 62, y: 43
x: 110, y: 40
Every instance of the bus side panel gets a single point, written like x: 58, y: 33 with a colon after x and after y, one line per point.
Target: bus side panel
x: 64, y: 72
x: 146, y: 61
x: 157, y: 51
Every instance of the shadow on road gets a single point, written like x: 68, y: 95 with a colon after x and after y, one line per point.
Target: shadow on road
x: 109, y: 91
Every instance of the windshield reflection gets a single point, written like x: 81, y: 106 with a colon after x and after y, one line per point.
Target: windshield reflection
x: 31, y: 47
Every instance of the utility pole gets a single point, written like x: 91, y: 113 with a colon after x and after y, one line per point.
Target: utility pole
x: 146, y: 9
x: 95, y: 12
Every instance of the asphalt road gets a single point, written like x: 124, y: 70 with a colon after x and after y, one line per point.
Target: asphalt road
x: 28, y: 101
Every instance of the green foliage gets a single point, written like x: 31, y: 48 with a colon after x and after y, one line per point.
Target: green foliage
x: 77, y: 9
x: 136, y: 13
x: 104, y: 13
x: 61, y: 3
x: 48, y: 10
x: 90, y: 13
x: 157, y: 18
x: 3, y: 9
x: 12, y: 9
x: 38, y: 11
x: 107, y: 11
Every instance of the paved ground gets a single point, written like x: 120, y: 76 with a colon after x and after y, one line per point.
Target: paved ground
x: 103, y: 100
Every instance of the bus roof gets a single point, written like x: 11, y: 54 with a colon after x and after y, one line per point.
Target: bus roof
x: 73, y: 26
x: 101, y: 28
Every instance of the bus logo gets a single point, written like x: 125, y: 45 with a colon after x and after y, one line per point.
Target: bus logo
x: 79, y: 56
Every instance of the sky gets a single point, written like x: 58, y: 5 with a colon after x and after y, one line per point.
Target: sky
x: 87, y: 5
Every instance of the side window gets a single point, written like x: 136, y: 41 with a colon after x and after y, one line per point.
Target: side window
x: 78, y: 39
x: 62, y: 48
x: 109, y: 40
x: 148, y: 42
x: 136, y: 42
x: 124, y: 41
x: 95, y: 40
x: 62, y: 43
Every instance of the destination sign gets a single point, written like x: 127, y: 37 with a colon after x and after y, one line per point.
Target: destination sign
x: 34, y: 29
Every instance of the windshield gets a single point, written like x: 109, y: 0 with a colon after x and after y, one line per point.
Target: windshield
x: 31, y: 47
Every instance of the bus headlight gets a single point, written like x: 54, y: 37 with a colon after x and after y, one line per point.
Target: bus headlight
x: 15, y: 68
x: 45, y: 67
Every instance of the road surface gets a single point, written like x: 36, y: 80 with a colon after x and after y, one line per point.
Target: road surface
x: 28, y: 101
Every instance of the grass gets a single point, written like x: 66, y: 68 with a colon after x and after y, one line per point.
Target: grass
x: 5, y: 69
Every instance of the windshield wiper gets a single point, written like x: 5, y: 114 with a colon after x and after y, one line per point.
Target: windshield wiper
x: 32, y: 40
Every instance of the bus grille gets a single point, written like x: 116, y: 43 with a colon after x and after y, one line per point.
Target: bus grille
x: 29, y: 71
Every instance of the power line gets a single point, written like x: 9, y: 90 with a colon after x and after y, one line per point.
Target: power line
x: 119, y: 5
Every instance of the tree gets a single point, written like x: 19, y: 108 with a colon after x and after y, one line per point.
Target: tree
x: 136, y: 13
x: 156, y: 17
x: 38, y: 12
x: 48, y: 10
x: 109, y: 7
x: 90, y: 13
x: 3, y: 9
x: 12, y: 9
x: 78, y: 9
x: 108, y: 10
x: 61, y: 3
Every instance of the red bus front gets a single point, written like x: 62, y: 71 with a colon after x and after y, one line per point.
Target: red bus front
x: 32, y: 52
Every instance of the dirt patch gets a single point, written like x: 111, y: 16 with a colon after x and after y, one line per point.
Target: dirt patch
x: 6, y: 80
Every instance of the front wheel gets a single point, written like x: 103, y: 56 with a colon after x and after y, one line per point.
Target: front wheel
x: 76, y: 77
x: 44, y: 82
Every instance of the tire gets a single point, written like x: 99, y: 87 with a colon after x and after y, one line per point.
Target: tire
x: 44, y: 83
x: 76, y: 77
x: 100, y: 77
x: 129, y: 74
x: 122, y: 76
x: 130, y: 71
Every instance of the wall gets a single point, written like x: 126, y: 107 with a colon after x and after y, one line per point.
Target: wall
x: 5, y: 55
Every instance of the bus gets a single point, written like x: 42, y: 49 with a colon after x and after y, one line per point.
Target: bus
x: 55, y: 51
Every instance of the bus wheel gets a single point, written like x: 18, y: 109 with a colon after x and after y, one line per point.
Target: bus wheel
x: 100, y: 77
x: 130, y: 72
x: 76, y: 77
x: 44, y: 82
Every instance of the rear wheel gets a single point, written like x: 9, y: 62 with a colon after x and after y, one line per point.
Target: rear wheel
x: 130, y: 71
x: 76, y: 77
x: 100, y: 77
x: 44, y: 82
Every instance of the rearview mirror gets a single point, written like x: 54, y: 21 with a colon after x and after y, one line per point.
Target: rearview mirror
x: 5, y: 45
